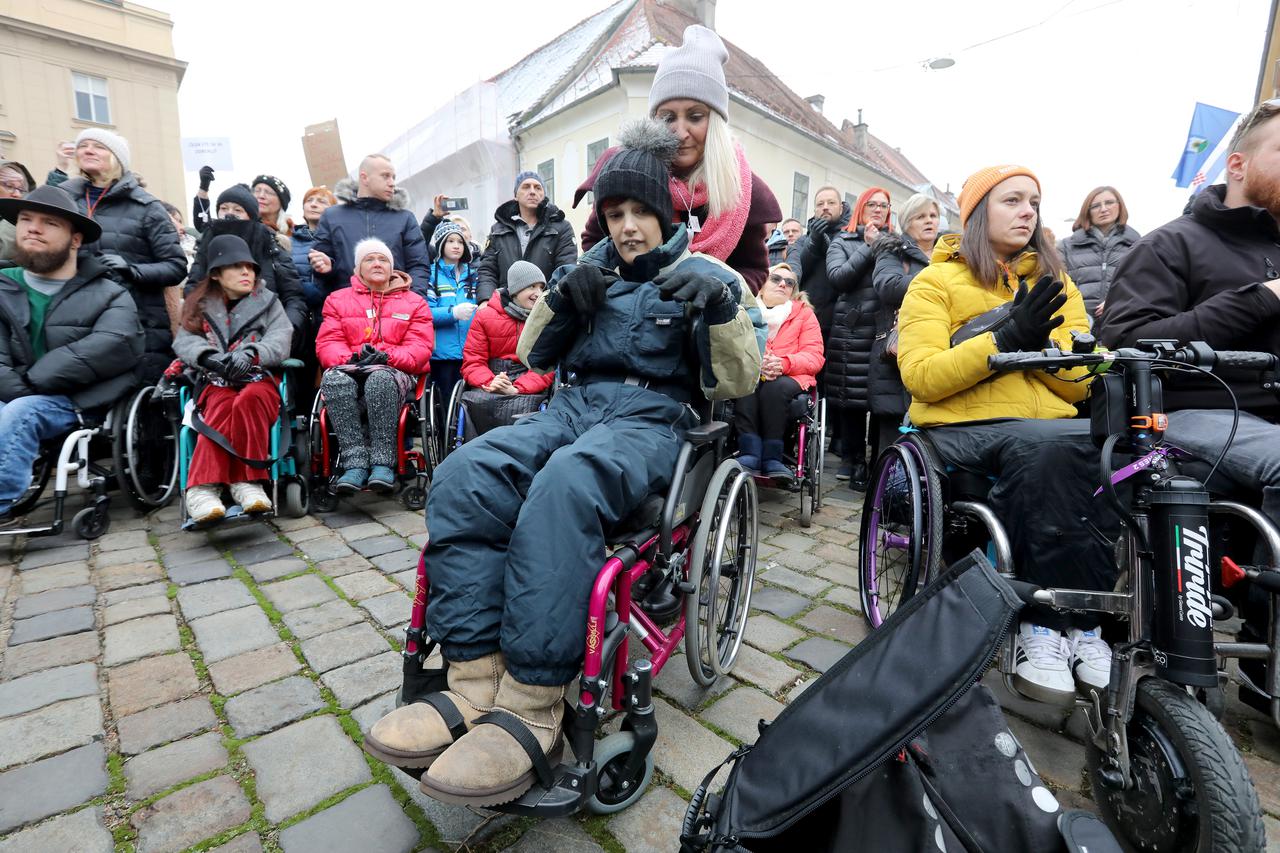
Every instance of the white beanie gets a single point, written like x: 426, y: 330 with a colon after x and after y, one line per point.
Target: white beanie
x: 369, y: 245
x: 113, y: 142
x: 694, y: 70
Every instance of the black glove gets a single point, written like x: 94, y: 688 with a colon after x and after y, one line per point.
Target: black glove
x: 701, y: 291
x: 206, y: 177
x: 210, y: 361
x: 1031, y: 318
x: 355, y: 357
x: 370, y: 355
x: 117, y: 265
x: 821, y: 231
x: 587, y: 286
x: 236, y: 365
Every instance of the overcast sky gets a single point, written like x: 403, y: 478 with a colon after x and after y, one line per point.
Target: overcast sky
x: 1090, y: 92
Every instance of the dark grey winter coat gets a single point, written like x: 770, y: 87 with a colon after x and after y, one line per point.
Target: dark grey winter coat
x: 808, y: 260
x: 551, y: 246
x: 1091, y: 260
x: 897, y: 261
x: 256, y: 322
x: 92, y: 339
x: 850, y: 262
x: 136, y: 227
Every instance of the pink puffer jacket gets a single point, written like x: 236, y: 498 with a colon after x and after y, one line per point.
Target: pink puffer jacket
x: 396, y: 321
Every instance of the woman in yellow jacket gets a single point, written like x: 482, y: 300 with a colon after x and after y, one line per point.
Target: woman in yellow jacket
x: 1002, y: 275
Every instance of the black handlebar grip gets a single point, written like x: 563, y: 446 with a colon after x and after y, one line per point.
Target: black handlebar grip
x: 1244, y: 360
x: 1268, y: 581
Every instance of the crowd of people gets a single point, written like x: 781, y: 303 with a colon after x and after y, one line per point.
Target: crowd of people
x: 685, y: 284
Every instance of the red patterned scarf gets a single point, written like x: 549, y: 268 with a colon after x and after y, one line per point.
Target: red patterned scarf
x: 719, y: 235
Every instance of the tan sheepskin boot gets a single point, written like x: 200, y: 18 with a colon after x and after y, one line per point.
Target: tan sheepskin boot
x: 415, y: 735
x: 487, y: 766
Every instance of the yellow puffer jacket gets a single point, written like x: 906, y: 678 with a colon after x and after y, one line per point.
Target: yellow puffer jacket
x: 954, y: 385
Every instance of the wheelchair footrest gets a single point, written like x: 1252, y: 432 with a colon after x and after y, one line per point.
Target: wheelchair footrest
x: 233, y: 515
x: 572, y: 787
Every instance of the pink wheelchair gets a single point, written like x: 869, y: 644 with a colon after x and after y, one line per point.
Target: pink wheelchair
x: 700, y: 539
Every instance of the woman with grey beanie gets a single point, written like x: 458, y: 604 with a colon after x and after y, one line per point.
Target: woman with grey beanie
x: 710, y: 177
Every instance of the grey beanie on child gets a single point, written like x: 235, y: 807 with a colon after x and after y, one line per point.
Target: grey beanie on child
x: 694, y: 70
x: 523, y: 274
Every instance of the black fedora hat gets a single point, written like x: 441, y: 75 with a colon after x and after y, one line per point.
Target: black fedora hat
x: 47, y: 199
x: 228, y: 249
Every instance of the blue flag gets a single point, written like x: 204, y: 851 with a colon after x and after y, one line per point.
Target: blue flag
x: 1208, y: 126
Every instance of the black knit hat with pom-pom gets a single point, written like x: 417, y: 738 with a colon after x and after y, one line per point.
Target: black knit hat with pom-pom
x: 640, y: 170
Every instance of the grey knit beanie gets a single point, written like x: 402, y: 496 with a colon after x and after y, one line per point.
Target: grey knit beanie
x: 113, y: 142
x: 693, y: 70
x: 523, y: 274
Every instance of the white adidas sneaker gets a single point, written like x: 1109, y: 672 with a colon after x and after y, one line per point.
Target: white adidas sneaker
x: 1041, y: 665
x: 1090, y: 659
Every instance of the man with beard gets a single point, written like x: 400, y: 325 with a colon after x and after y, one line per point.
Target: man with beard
x: 1213, y: 275
x: 69, y: 333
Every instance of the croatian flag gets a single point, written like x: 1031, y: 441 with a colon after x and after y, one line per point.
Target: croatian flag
x: 1209, y: 126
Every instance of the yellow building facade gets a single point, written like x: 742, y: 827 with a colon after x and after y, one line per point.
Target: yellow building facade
x: 70, y: 64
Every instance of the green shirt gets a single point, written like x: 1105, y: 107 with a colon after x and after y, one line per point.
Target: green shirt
x: 39, y: 303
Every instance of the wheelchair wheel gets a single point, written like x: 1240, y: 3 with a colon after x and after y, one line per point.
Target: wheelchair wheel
x: 811, y: 489
x: 425, y: 434
x: 293, y: 497
x: 614, y: 792
x: 900, y: 547
x: 40, y: 473
x: 721, y: 567
x: 414, y: 497
x: 92, y: 521
x: 144, y: 447
x: 1188, y: 787
x: 432, y: 429
x: 452, y: 441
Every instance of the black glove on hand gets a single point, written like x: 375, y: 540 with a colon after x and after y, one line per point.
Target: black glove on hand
x: 210, y: 361
x: 370, y: 355
x: 117, y: 265
x: 206, y: 177
x: 587, y: 286
x: 699, y: 290
x: 236, y: 365
x: 821, y: 231
x: 1031, y: 318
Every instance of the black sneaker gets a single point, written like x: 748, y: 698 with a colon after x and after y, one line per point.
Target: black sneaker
x: 858, y: 479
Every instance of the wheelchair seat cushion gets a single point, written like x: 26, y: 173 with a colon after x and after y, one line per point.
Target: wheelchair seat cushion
x: 642, y: 518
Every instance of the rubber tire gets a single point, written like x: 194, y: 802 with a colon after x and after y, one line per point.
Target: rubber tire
x: 414, y: 497
x: 927, y: 491
x: 806, y: 507
x: 91, y: 522
x: 1223, y: 787
x: 294, y: 499
x: 451, y: 421
x: 722, y: 481
x: 323, y: 500
x: 617, y: 746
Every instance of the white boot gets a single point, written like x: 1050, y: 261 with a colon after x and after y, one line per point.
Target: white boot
x: 204, y: 503
x: 251, y: 497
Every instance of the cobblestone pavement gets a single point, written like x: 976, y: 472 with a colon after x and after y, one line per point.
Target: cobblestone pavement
x: 162, y: 691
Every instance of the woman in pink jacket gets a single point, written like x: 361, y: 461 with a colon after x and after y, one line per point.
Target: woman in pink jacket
x: 376, y: 338
x: 792, y: 358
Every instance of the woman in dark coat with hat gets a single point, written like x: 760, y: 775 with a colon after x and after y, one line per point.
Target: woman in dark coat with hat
x: 234, y: 329
x: 139, y: 243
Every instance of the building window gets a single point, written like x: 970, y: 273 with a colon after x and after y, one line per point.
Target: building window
x: 594, y: 150
x: 91, y: 98
x: 547, y: 171
x: 800, y: 196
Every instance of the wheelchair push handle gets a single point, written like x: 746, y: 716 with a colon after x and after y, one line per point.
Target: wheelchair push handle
x: 1151, y: 352
x: 1236, y: 359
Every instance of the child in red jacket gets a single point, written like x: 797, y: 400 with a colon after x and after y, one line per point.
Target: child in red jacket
x: 489, y: 364
x: 375, y: 339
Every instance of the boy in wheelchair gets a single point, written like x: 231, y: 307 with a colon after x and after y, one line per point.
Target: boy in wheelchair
x: 499, y: 386
x: 518, y: 516
x: 974, y: 300
x: 69, y: 333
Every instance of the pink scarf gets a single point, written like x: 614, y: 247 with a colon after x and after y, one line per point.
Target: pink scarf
x: 719, y: 235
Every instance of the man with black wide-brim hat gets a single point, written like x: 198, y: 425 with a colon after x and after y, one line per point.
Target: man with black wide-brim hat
x: 69, y: 333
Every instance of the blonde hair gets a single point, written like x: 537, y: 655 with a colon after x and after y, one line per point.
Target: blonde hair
x: 914, y: 207
x: 797, y: 295
x: 460, y: 220
x: 718, y: 168
x: 115, y: 173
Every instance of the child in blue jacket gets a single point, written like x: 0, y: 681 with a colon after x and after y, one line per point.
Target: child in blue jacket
x: 452, y: 296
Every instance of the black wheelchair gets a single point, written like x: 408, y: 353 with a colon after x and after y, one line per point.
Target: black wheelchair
x: 1165, y: 775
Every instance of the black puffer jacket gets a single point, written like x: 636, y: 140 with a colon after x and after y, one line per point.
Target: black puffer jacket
x: 92, y: 339
x: 1091, y: 260
x: 897, y: 260
x: 850, y: 263
x: 551, y: 245
x: 276, y: 267
x: 136, y: 227
x: 808, y: 259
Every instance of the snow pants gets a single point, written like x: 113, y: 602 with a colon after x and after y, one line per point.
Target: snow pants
x: 517, y: 522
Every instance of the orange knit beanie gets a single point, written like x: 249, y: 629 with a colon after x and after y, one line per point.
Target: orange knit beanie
x: 981, y: 182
